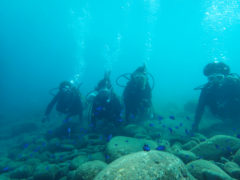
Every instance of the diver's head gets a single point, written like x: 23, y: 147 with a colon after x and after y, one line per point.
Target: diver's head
x: 65, y: 86
x: 105, y: 93
x: 216, y: 68
x: 216, y: 71
x: 139, y: 77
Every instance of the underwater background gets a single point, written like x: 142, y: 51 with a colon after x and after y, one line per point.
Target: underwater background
x: 45, y: 42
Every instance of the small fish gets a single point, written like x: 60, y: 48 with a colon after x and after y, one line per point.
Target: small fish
x: 160, y: 118
x: 26, y: 146
x: 217, y: 146
x: 69, y: 131
x: 107, y: 156
x: 37, y: 149
x: 170, y: 130
x: 6, y: 169
x: 146, y: 147
x: 151, y: 124
x: 176, y: 127
x: 132, y: 116
x: 172, y: 117
x: 228, y: 149
x: 99, y: 108
x: 120, y: 120
x: 181, y: 124
x: 116, y: 144
x: 126, y: 141
x: 187, y: 117
x: 109, y: 137
x: 67, y: 120
x: 47, y: 168
x: 161, y: 148
x: 187, y: 131
x: 238, y: 136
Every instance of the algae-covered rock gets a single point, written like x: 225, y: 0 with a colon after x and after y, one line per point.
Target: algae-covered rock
x: 97, y: 156
x: 236, y: 157
x: 78, y: 161
x: 45, y: 171
x: 120, y: 145
x: 232, y: 169
x: 4, y: 177
x: 206, y: 170
x: 132, y: 130
x: 22, y: 172
x: 186, y: 156
x: 89, y: 170
x: 217, y: 146
x: 150, y: 165
x: 189, y: 145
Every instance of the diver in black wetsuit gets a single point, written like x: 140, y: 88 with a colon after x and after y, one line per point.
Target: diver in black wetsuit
x: 137, y: 94
x: 67, y: 100
x: 221, y: 94
x: 105, y: 103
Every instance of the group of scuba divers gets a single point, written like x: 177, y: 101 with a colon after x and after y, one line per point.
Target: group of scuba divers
x: 221, y: 94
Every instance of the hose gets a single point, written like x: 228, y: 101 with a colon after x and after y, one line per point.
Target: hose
x: 125, y: 75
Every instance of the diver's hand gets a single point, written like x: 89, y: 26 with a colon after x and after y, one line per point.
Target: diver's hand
x: 45, y: 119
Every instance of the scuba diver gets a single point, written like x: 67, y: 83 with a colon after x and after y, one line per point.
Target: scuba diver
x: 67, y: 100
x: 137, y: 94
x: 105, y: 103
x: 221, y: 94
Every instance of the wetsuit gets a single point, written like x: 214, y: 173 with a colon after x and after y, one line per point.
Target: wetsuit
x: 223, y: 99
x: 68, y: 103
x: 137, y: 100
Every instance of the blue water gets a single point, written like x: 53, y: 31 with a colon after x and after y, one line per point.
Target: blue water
x: 43, y: 42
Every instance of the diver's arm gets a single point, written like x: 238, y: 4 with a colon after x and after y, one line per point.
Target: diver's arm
x: 199, y: 111
x: 51, y: 104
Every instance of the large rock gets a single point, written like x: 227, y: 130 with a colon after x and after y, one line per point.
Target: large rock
x: 46, y: 172
x: 145, y: 165
x: 189, y: 145
x: 23, y: 172
x: 120, y: 145
x: 186, y: 156
x: 232, y: 169
x: 206, y: 170
x: 236, y: 157
x: 78, y: 161
x: 89, y: 170
x: 133, y: 130
x: 217, y: 146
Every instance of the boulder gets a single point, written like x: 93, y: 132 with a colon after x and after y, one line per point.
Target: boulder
x: 120, y: 145
x: 232, y: 169
x: 22, y: 172
x: 133, y: 130
x: 89, y: 170
x: 206, y: 170
x: 189, y: 145
x: 217, y: 146
x: 78, y: 161
x: 186, y: 156
x: 150, y: 165
x: 236, y: 157
x: 45, y: 171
